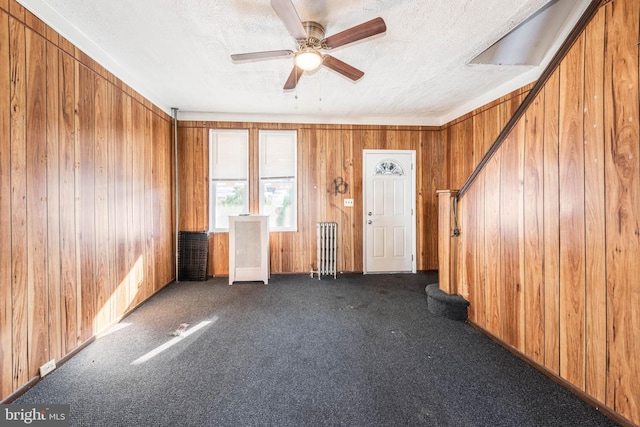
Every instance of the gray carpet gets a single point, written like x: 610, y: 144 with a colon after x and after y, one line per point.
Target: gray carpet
x: 356, y: 351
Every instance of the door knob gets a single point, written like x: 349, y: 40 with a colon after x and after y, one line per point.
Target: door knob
x: 369, y: 222
x: 369, y: 213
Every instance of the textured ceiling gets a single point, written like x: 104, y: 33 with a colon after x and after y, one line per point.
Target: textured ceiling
x: 177, y: 54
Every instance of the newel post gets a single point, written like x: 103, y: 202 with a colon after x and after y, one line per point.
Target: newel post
x: 447, y: 242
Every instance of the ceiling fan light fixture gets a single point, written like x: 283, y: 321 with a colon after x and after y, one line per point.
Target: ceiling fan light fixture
x: 310, y: 40
x: 308, y: 59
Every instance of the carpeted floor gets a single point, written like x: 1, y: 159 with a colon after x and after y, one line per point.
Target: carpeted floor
x: 356, y: 351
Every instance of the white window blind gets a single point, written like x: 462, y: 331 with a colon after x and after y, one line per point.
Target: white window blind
x: 229, y: 176
x: 277, y: 154
x: 278, y: 178
x: 229, y: 154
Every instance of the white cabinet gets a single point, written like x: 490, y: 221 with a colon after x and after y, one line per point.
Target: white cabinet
x: 249, y: 248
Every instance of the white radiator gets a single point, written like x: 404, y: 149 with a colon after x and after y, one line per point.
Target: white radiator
x: 327, y: 238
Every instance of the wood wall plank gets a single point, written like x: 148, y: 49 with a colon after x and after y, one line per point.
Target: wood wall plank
x: 201, y: 188
x: 35, y: 24
x: 551, y: 225
x: 446, y: 157
x: 16, y: 10
x: 254, y: 179
x: 333, y: 156
x: 219, y: 250
x: 480, y: 310
x: 204, y: 191
x: 186, y: 142
x: 147, y: 204
x: 161, y: 263
x: 595, y: 237
x: 112, y: 175
x: 457, y: 158
x: 6, y: 332
x: 19, y: 250
x: 492, y: 126
x: 312, y: 192
x: 572, y: 231
x: 128, y: 172
x: 85, y: 145
x: 148, y: 214
x: 121, y: 232
x: 492, y: 248
x: 511, y: 242
x: 164, y: 188
x: 137, y: 204
x: 478, y: 139
x: 622, y: 179
x: 469, y: 147
x: 322, y: 159
x: 55, y: 295
x: 68, y: 254
x: 36, y: 178
x: 358, y: 218
x: 468, y: 235
x: 103, y: 258
x: 533, y: 231
x: 422, y: 199
x: 302, y: 245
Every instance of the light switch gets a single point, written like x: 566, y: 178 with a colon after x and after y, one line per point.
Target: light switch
x: 348, y: 202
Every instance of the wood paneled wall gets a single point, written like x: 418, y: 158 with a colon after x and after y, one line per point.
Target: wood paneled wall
x: 550, y: 227
x: 445, y: 158
x: 466, y: 139
x: 85, y: 197
x: 325, y: 152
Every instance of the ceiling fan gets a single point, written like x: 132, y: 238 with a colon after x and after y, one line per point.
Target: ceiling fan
x: 310, y: 38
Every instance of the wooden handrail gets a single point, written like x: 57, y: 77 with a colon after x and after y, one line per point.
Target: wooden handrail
x: 535, y: 90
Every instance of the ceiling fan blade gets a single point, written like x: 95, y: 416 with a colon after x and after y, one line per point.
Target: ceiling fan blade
x: 342, y: 67
x: 290, y: 18
x: 267, y: 54
x: 295, y: 75
x: 359, y: 32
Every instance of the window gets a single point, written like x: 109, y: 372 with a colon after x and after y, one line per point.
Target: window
x: 229, y: 175
x: 229, y: 190
x: 278, y: 172
x: 389, y: 167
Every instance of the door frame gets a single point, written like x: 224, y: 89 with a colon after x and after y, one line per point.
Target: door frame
x: 413, y: 206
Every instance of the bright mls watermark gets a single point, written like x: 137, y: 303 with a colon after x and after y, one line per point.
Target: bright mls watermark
x: 35, y: 415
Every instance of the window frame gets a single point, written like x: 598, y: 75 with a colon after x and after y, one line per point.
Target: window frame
x: 262, y: 180
x: 213, y: 227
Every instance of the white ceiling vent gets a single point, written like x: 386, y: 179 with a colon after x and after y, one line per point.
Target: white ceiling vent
x: 531, y: 41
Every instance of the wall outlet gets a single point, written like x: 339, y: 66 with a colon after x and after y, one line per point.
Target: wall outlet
x: 348, y: 202
x: 47, y: 367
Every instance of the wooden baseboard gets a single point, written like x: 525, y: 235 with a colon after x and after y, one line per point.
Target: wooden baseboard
x: 601, y: 407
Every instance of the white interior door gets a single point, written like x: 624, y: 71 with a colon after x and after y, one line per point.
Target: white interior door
x: 389, y: 184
